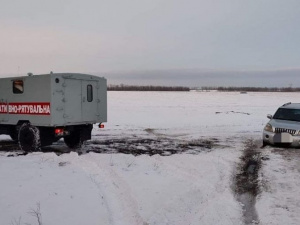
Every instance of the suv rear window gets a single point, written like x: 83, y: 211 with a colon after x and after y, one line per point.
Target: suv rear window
x: 287, y: 114
x: 18, y: 87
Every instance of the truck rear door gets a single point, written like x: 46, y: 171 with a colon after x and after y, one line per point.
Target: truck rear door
x: 89, y: 100
x: 72, y: 100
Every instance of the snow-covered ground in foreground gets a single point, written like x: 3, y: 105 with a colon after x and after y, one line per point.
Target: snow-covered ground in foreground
x: 279, y: 202
x: 123, y: 189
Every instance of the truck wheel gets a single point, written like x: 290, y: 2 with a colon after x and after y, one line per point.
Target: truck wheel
x: 29, y: 138
x: 73, y: 140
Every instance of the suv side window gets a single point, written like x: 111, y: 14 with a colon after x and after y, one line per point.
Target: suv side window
x: 18, y: 87
x: 89, y: 93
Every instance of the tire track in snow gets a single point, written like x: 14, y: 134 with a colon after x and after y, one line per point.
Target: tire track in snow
x: 90, y: 170
x: 122, y: 206
x: 246, y: 184
x: 98, y: 185
x: 200, y: 199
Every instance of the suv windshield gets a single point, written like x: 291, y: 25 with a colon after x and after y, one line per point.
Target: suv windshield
x: 287, y: 114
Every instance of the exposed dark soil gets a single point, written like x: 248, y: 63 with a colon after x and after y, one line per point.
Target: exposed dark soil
x: 149, y: 146
x: 134, y: 146
x: 234, y: 112
x: 12, y: 148
x: 246, y: 184
x: 8, y: 145
x: 287, y: 153
x: 247, y: 176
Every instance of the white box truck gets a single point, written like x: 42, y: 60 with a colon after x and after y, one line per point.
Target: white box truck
x: 37, y: 110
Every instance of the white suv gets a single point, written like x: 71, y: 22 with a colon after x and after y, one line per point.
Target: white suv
x: 284, y: 126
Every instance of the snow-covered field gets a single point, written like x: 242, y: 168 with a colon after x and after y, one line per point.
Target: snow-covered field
x: 163, y: 158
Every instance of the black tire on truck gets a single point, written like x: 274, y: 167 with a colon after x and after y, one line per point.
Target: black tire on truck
x: 29, y: 138
x: 73, y: 140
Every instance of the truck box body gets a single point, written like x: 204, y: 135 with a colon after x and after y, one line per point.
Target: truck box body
x: 39, y: 110
x: 53, y: 100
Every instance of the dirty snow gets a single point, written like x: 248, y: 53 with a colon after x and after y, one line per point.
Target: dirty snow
x: 101, y: 185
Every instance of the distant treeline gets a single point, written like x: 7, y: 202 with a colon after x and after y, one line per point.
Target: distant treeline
x: 252, y: 89
x: 123, y: 87
x: 145, y: 88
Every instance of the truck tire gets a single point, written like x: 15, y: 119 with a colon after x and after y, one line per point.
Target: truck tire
x: 29, y: 138
x: 73, y: 140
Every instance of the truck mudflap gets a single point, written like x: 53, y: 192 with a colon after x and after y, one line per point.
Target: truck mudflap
x: 77, y: 135
x: 86, y: 132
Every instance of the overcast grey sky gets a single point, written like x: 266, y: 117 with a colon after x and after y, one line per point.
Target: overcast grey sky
x: 117, y: 35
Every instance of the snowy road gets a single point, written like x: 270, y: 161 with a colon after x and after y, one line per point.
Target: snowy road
x: 120, y: 188
x: 163, y: 158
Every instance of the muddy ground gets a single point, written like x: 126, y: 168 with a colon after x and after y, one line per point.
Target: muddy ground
x: 134, y: 146
x: 246, y: 180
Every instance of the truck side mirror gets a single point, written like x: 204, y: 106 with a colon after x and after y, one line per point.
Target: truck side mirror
x: 269, y: 116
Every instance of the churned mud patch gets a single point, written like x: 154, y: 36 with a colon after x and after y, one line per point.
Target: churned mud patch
x: 151, y: 146
x: 228, y: 112
x: 11, y: 149
x: 287, y: 153
x: 246, y: 183
x: 8, y: 145
x: 134, y: 146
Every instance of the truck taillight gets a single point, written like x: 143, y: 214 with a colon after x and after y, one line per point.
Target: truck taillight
x: 59, y: 132
x: 101, y: 125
